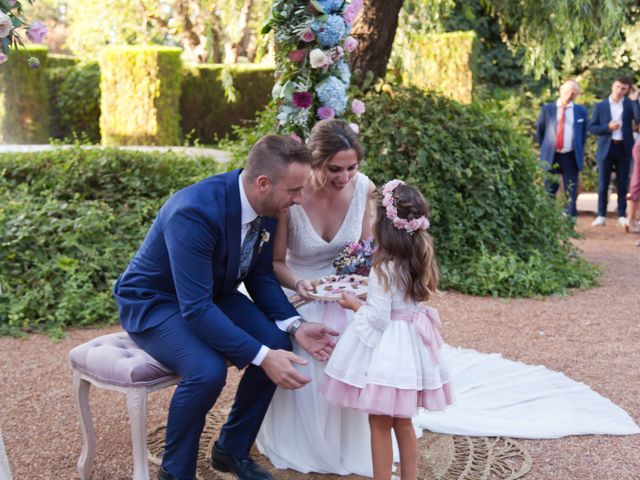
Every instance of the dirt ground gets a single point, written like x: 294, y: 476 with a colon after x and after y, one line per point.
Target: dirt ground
x: 592, y: 336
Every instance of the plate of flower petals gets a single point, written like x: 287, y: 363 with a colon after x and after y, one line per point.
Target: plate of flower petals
x: 331, y: 287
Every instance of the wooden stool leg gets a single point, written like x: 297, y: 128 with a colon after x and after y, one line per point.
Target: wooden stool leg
x: 137, y: 405
x: 85, y: 462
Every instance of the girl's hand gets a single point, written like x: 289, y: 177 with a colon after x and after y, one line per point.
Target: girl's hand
x: 303, y: 288
x: 350, y: 301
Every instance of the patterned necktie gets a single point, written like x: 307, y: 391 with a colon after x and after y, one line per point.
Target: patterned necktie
x: 560, y: 131
x: 248, y: 246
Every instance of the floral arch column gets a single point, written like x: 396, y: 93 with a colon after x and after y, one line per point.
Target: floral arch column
x: 312, y: 39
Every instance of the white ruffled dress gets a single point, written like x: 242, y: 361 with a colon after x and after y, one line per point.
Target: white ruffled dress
x: 388, y: 361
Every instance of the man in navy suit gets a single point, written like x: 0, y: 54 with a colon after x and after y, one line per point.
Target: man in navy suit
x: 561, y: 133
x: 612, y: 122
x: 178, y: 300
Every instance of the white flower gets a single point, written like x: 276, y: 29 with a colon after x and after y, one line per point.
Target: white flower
x: 318, y: 58
x: 5, y: 25
x: 264, y: 238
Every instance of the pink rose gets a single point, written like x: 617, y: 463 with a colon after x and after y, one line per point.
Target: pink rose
x: 3, y: 57
x: 36, y: 31
x: 355, y: 127
x: 350, y: 44
x: 298, y: 55
x: 296, y: 137
x: 308, y: 35
x: 357, y: 107
x: 319, y: 59
x: 5, y: 25
x: 326, y: 113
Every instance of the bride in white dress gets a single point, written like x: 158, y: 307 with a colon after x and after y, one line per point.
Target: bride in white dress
x: 494, y: 396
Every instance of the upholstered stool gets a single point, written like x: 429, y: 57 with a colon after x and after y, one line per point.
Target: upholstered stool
x: 115, y: 362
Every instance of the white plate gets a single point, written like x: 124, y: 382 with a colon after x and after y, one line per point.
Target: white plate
x: 330, y: 288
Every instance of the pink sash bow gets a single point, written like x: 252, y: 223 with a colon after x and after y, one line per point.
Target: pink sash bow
x: 427, y: 324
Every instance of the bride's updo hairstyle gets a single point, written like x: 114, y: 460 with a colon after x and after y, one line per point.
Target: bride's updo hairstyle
x: 412, y: 254
x: 329, y: 137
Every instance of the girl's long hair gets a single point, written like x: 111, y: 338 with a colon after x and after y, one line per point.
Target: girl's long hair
x: 413, y: 255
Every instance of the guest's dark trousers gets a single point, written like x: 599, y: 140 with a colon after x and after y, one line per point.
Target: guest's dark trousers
x: 564, y: 164
x: 204, y: 371
x: 621, y: 160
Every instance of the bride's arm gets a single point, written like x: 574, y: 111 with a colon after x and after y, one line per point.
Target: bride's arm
x: 369, y: 214
x: 284, y: 274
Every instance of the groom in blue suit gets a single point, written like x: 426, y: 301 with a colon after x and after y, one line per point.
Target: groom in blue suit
x: 178, y: 300
x: 561, y: 133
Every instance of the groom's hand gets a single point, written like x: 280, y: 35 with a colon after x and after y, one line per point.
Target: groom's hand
x: 317, y: 339
x: 278, y: 365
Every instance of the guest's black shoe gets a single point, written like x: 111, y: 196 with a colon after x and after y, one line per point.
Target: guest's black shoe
x: 164, y: 475
x: 245, y: 469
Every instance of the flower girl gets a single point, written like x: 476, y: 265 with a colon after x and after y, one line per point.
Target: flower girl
x: 388, y: 363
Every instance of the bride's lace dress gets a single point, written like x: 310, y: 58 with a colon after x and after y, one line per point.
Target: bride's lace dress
x: 301, y: 430
x: 494, y: 396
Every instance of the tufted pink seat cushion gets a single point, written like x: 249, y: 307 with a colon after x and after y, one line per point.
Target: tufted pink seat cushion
x: 116, y: 359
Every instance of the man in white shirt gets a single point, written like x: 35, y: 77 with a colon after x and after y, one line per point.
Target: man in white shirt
x: 612, y: 122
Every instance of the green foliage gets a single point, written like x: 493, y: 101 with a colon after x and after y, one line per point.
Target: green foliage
x: 57, y: 60
x: 140, y: 94
x: 78, y: 103
x: 496, y: 230
x: 205, y: 111
x: 443, y: 62
x: 24, y: 98
x: 71, y: 220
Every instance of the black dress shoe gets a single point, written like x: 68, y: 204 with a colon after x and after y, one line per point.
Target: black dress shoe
x: 245, y: 469
x: 164, y: 475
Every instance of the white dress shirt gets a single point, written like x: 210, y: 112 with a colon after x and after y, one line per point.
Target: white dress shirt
x: 616, y: 116
x: 248, y: 215
x: 567, y: 144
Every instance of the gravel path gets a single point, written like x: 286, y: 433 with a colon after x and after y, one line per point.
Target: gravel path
x: 592, y: 336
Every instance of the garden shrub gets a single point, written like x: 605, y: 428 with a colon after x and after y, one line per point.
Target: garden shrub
x: 140, y: 95
x: 70, y: 221
x: 443, y: 62
x: 54, y: 79
x: 24, y: 98
x: 496, y: 230
x: 78, y: 103
x: 207, y: 114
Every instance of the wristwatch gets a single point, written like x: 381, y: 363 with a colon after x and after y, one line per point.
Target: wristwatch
x: 294, y: 326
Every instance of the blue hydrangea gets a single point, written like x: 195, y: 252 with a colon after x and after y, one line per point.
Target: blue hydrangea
x: 330, y: 32
x: 341, y: 70
x: 330, y: 6
x: 332, y: 92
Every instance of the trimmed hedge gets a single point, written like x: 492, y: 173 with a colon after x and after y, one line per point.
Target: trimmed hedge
x: 140, y: 94
x: 24, y: 98
x: 206, y: 113
x: 78, y: 103
x: 71, y: 220
x: 443, y: 62
x: 496, y: 230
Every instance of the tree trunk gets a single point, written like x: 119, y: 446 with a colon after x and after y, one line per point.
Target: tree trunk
x: 375, y: 29
x: 239, y: 46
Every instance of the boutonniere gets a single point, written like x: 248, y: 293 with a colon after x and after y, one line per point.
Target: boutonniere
x: 264, y: 238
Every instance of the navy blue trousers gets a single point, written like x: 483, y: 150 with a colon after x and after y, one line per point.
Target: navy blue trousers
x: 622, y: 161
x: 565, y: 165
x: 203, y: 371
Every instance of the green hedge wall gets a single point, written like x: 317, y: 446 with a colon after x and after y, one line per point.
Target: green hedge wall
x: 443, y: 62
x: 71, y: 219
x: 24, y: 98
x: 206, y: 114
x: 140, y: 95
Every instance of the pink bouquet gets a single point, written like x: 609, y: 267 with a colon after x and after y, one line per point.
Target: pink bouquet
x: 355, y: 258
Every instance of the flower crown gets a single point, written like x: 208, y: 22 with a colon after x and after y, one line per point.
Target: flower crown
x: 420, y: 223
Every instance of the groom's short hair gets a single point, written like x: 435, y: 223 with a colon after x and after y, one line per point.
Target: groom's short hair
x: 272, y: 155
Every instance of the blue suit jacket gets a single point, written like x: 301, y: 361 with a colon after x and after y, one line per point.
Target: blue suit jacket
x: 547, y: 128
x: 190, y: 259
x: 600, y: 125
